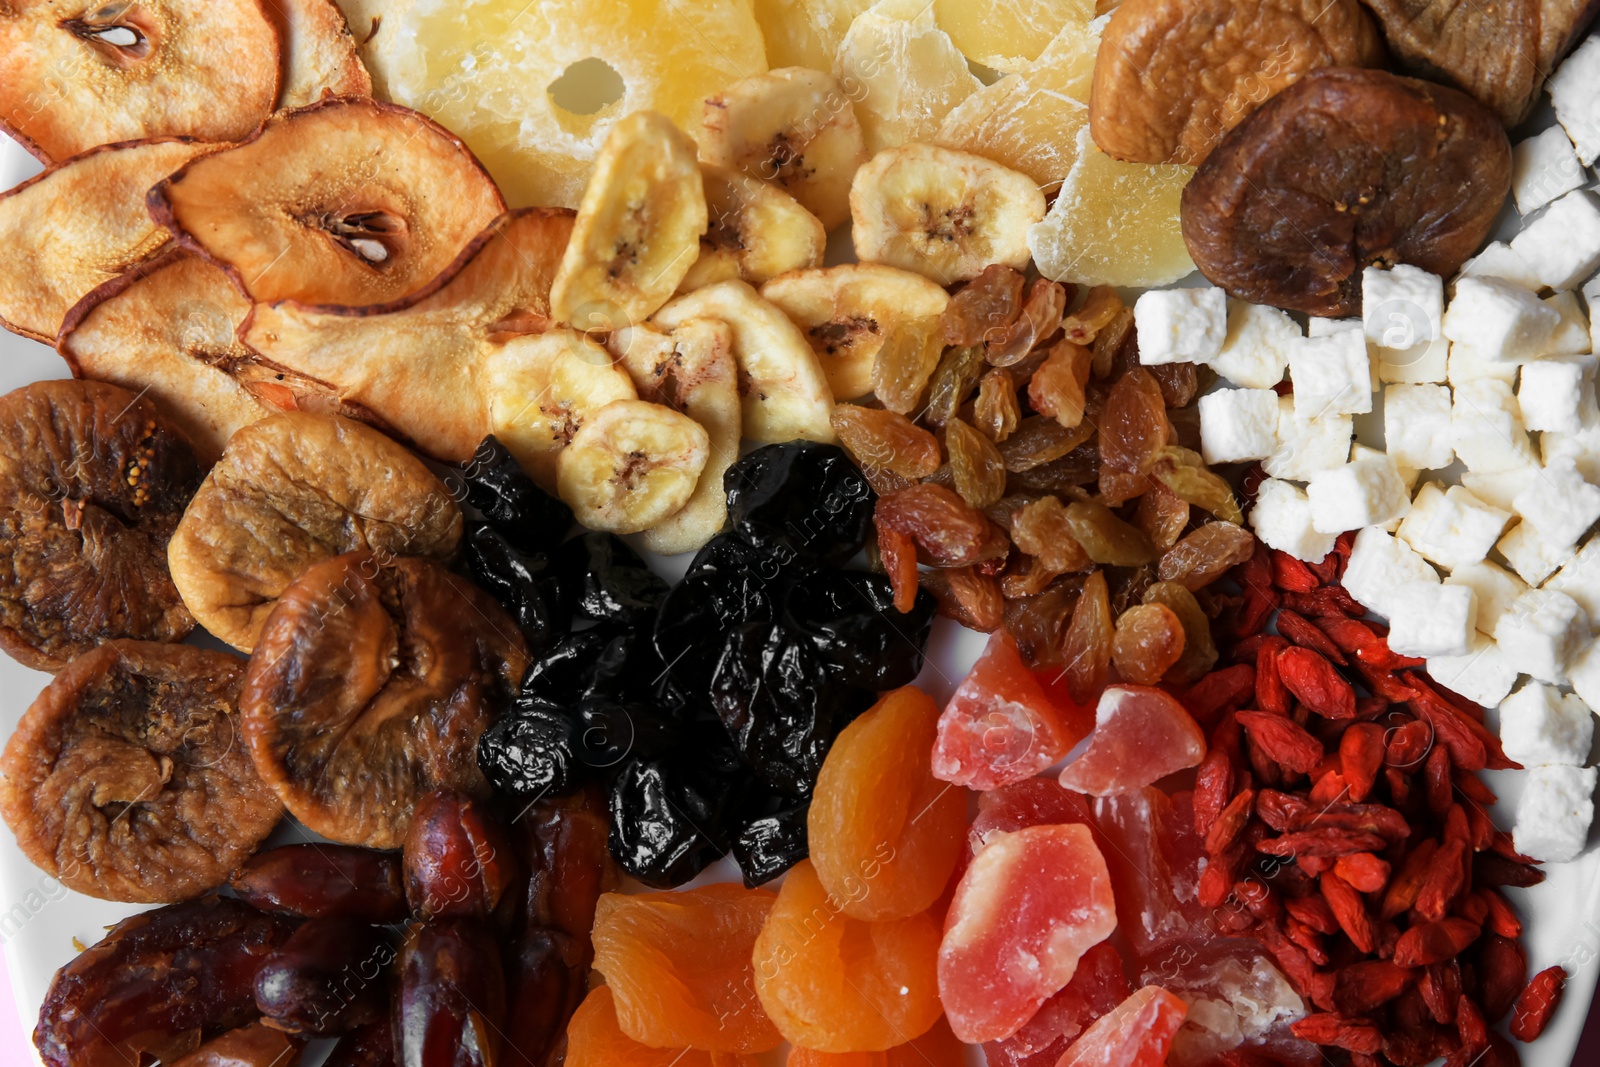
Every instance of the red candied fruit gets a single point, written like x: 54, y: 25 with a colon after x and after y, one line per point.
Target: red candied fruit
x: 1154, y: 857
x: 936, y: 1048
x: 1099, y: 985
x: 1001, y: 726
x: 1031, y: 903
x: 1136, y: 1033
x: 1141, y: 735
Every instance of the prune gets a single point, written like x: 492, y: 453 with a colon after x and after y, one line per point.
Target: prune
x: 850, y: 620
x: 369, y: 1046
x: 524, y: 584
x: 450, y: 1008
x: 529, y: 751
x: 611, y: 583
x: 661, y: 815
x: 330, y: 977
x: 495, y: 483
x: 257, y: 1045
x: 126, y: 779
x: 93, y: 481
x: 291, y: 491
x: 800, y: 500
x: 158, y: 984
x: 371, y: 684
x: 324, y: 881
x: 562, y: 674
x: 700, y: 611
x: 1344, y: 170
x: 458, y: 859
x: 773, y: 841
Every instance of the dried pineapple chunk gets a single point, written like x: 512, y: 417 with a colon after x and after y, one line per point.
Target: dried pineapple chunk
x: 806, y: 33
x: 534, y: 88
x: 1008, y: 34
x: 903, y: 72
x: 1114, y: 223
x: 1030, y: 120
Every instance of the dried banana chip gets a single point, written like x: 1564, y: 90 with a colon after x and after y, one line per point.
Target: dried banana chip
x: 631, y: 465
x: 754, y: 232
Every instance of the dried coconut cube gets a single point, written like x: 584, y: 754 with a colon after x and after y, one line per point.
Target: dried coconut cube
x: 1579, y: 579
x: 1501, y: 488
x: 1543, y: 633
x: 1575, y: 94
x: 1379, y: 565
x: 1426, y: 362
x: 1497, y: 260
x: 1486, y: 427
x: 1408, y: 475
x: 1255, y: 352
x: 1554, y: 813
x: 1591, y: 297
x: 1497, y: 589
x: 1572, y: 337
x: 1558, y: 394
x: 1307, y: 447
x: 1466, y: 365
x: 1532, y: 555
x: 1541, y: 726
x: 1585, y: 676
x: 1582, y: 448
x: 1323, y: 327
x: 1544, y: 167
x: 1368, y: 492
x: 1332, y: 375
x: 1559, y: 503
x: 1401, y: 308
x: 1180, y: 325
x: 1430, y: 619
x: 1503, y: 322
x: 1282, y: 520
x: 1416, y: 426
x: 1452, y: 527
x: 1237, y: 425
x: 1484, y: 675
x: 1562, y: 244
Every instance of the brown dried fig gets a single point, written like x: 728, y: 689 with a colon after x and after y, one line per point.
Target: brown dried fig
x: 1344, y: 170
x: 372, y: 681
x: 127, y: 778
x: 290, y: 491
x: 1496, y: 53
x: 1173, y: 76
x: 93, y: 480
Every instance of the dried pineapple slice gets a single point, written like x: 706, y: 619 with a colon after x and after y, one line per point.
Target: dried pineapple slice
x: 534, y: 88
x: 1030, y: 121
x: 806, y: 33
x: 1114, y: 223
x: 1008, y: 34
x: 903, y: 72
x: 755, y: 232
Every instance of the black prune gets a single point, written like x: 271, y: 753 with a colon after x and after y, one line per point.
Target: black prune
x: 495, y: 483
x: 695, y: 619
x: 563, y: 673
x: 800, y: 500
x: 610, y: 583
x: 851, y: 621
x: 668, y: 823
x: 330, y: 977
x: 523, y: 583
x: 528, y: 752
x: 324, y: 881
x: 772, y: 840
x: 606, y: 731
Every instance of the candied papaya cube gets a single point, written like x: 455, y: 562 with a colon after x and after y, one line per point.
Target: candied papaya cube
x: 679, y: 967
x: 836, y: 984
x: 1031, y: 903
x: 936, y: 1048
x: 1099, y: 984
x: 1141, y: 735
x: 1001, y: 726
x: 595, y: 1040
x: 1136, y: 1033
x: 1154, y: 856
x: 884, y: 832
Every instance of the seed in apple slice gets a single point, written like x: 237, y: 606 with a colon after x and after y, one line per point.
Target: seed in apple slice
x: 347, y: 201
x: 77, y: 226
x: 425, y: 388
x: 79, y: 73
x: 319, y: 52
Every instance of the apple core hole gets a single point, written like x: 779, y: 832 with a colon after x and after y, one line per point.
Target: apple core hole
x: 587, y: 87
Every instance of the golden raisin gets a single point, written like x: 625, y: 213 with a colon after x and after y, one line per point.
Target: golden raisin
x: 1100, y: 309
x: 976, y: 464
x: 1162, y: 516
x: 1109, y: 341
x: 1040, y: 439
x: 1199, y: 650
x: 1149, y: 640
x: 1041, y: 317
x: 1134, y: 426
x: 958, y: 371
x: 1206, y: 555
x: 1106, y: 538
x: 1087, y: 649
x: 1184, y: 472
x: 886, y: 440
x: 1042, y: 530
x: 901, y: 370
x: 997, y: 409
x: 1056, y: 388
x: 989, y: 303
x: 968, y: 596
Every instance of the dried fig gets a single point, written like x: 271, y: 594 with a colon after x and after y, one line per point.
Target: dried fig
x: 370, y: 686
x: 126, y: 778
x: 290, y: 491
x: 93, y: 480
x: 1173, y: 76
x: 1344, y: 170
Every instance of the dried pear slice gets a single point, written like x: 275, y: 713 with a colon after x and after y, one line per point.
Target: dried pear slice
x: 319, y: 52
x: 755, y: 232
x: 347, y: 202
x: 638, y: 229
x: 167, y: 329
x: 425, y: 388
x: 77, y: 226
x: 75, y: 74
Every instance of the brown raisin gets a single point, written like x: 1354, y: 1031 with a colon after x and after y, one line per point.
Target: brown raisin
x: 1041, y: 317
x: 1086, y: 651
x: 1109, y: 342
x: 1162, y: 516
x: 1040, y: 439
x: 1039, y: 622
x: 1100, y: 309
x: 971, y: 598
x: 1057, y: 387
x: 984, y: 307
x: 948, y: 530
x: 1043, y: 530
x: 958, y: 371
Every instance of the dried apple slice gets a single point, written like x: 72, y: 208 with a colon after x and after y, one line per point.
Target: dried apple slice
x: 77, y: 226
x: 348, y: 202
x: 319, y: 52
x: 425, y: 388
x: 167, y: 330
x: 79, y: 73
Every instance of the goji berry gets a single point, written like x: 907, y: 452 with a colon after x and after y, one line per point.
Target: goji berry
x: 1407, y: 745
x: 1301, y: 632
x: 1386, y: 684
x: 1365, y: 985
x: 1470, y: 1024
x: 1502, y: 972
x: 1428, y: 943
x: 1502, y: 917
x: 1340, y: 1031
x: 1270, y: 692
x: 1331, y: 602
x: 1480, y: 828
x: 1436, y: 780
x: 1282, y: 741
x: 1361, y: 753
x: 1312, y: 679
x: 1228, y: 687
x: 1440, y: 986
x: 1308, y: 939
x: 1360, y: 818
x: 1362, y: 641
x: 1291, y: 575
x: 1402, y: 894
x: 1399, y: 788
x: 1455, y: 824
x: 1213, y: 788
x: 1330, y: 786
x: 1230, y: 823
x: 1281, y: 811
x: 1363, y: 870
x: 1314, y: 912
x: 1445, y: 878
x: 1350, y: 910
x: 1447, y: 719
x: 1537, y: 1003
x: 1471, y: 908
x: 1492, y: 869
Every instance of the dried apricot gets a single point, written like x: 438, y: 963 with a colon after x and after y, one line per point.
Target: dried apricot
x: 1030, y: 904
x: 884, y: 832
x: 679, y: 966
x: 1137, y: 1033
x: 1141, y: 735
x: 1149, y: 639
x: 594, y: 1039
x: 936, y: 1048
x: 837, y: 984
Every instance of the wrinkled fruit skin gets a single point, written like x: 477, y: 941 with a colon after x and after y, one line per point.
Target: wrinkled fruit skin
x: 158, y: 984
x: 450, y: 1008
x: 524, y: 584
x: 530, y: 519
x: 324, y: 882
x: 800, y: 500
x: 1432, y: 163
x: 611, y: 583
x: 594, y: 1039
x: 458, y: 858
x: 662, y: 812
x: 850, y: 618
x: 773, y: 839
x: 330, y: 977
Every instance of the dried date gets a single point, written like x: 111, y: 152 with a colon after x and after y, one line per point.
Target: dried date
x: 324, y: 881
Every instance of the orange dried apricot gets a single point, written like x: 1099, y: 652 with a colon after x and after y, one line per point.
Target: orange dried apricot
x: 936, y: 1048
x: 595, y: 1040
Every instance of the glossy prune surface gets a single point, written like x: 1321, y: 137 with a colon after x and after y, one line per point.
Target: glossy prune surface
x: 495, y: 483
x: 610, y: 583
x: 800, y: 500
x: 525, y: 584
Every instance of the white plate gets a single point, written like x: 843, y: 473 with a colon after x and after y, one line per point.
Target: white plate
x: 40, y: 918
